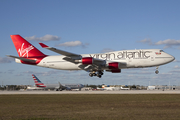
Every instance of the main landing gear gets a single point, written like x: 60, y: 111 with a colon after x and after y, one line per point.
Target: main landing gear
x: 94, y: 73
x: 157, y: 71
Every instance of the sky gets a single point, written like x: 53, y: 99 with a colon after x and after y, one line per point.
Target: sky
x: 91, y: 26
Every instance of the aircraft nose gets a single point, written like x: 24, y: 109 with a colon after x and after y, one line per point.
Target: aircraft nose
x: 172, y: 58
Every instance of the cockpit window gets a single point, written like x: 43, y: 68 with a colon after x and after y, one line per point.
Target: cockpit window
x: 161, y: 51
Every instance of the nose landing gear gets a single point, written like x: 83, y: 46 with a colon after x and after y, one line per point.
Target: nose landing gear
x: 157, y: 71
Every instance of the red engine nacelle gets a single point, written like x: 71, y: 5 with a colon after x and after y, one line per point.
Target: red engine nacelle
x: 87, y: 60
x: 114, y: 65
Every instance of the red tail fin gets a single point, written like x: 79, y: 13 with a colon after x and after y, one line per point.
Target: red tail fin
x: 24, y: 48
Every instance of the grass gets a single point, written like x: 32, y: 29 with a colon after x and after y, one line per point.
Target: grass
x: 88, y: 107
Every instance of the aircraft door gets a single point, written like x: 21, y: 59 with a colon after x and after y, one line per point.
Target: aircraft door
x: 44, y: 64
x: 152, y: 58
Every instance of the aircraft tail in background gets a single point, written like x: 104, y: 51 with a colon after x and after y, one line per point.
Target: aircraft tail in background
x: 38, y: 83
x: 57, y: 87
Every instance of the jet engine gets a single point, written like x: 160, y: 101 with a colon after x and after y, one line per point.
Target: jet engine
x: 114, y: 67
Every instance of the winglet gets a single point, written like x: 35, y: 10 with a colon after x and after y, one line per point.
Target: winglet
x: 43, y: 45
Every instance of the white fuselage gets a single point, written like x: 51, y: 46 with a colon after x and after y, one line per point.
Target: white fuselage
x: 56, y: 86
x: 67, y: 86
x: 131, y: 58
x: 109, y: 88
x: 95, y: 64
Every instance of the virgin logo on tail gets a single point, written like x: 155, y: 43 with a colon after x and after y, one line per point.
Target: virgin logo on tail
x: 24, y: 51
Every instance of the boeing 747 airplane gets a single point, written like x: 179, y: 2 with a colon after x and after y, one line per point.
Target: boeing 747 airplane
x: 57, y: 87
x: 95, y: 64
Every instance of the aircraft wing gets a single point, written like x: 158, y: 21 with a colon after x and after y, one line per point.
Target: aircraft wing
x: 88, y: 63
x: 23, y: 59
x: 65, y: 53
x: 61, y: 87
x: 76, y: 57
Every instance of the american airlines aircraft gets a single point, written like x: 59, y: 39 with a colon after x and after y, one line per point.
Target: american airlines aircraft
x: 40, y: 85
x: 95, y: 64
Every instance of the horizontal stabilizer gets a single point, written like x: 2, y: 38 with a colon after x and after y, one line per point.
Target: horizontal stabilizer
x: 23, y: 59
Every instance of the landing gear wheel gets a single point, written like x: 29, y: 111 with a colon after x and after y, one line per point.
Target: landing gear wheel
x: 156, y: 71
x: 94, y: 74
x: 90, y: 74
x: 99, y: 75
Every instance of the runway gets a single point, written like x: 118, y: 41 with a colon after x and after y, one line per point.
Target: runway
x: 93, y: 92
